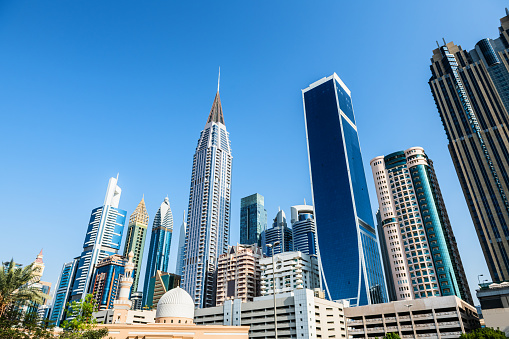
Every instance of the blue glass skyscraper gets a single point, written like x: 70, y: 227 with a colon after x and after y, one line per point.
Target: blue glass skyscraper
x: 103, y: 238
x: 160, y: 242
x: 279, y: 232
x: 348, y: 249
x: 253, y: 219
x: 63, y: 290
x: 304, y: 229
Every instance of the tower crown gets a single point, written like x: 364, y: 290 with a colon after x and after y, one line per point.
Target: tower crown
x: 216, y: 112
x: 140, y: 214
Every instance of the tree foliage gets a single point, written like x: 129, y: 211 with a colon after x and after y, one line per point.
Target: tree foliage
x: 17, y: 286
x: 81, y: 323
x: 484, y: 333
x: 392, y: 336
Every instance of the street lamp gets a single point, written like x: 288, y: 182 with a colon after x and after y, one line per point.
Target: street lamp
x: 273, y: 246
x: 411, y: 321
x: 478, y: 278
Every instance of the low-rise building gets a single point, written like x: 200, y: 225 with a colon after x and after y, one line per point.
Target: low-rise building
x: 494, y: 299
x: 435, y: 317
x: 238, y: 274
x: 299, y: 315
x: 294, y: 270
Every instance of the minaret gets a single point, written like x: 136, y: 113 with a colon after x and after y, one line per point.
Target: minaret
x: 135, y: 241
x: 123, y: 304
x: 208, y: 218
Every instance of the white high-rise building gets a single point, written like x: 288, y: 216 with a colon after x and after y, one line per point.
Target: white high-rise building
x: 103, y: 238
x: 294, y: 270
x: 182, y: 247
x: 208, y: 218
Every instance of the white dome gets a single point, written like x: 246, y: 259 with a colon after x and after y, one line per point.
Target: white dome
x: 176, y: 303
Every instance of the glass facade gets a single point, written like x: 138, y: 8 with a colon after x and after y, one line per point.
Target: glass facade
x: 253, y: 219
x: 348, y: 247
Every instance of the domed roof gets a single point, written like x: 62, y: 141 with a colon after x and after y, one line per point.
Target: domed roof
x: 176, y: 303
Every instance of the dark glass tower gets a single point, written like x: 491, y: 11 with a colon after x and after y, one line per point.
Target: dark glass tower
x: 347, y: 242
x: 253, y: 219
x: 279, y: 232
x: 471, y: 91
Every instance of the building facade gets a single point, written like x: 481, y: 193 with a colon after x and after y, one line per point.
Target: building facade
x: 304, y: 229
x: 63, y: 290
x: 279, y: 232
x: 417, y: 236
x: 238, y: 274
x: 106, y: 283
x: 471, y: 92
x: 299, y: 315
x: 103, y: 238
x: 182, y: 247
x: 208, y: 216
x: 440, y: 317
x: 341, y: 203
x: 253, y: 219
x: 160, y: 243
x: 135, y: 240
x: 159, y: 284
x: 294, y: 270
x: 494, y: 299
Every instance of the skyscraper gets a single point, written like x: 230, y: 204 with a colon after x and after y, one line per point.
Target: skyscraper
x: 135, y: 240
x: 279, y: 232
x: 209, y: 208
x: 471, y: 91
x: 106, y: 283
x: 102, y: 239
x: 182, y: 247
x: 63, y: 290
x: 160, y: 242
x: 253, y: 219
x: 348, y: 247
x: 304, y: 229
x: 418, y: 239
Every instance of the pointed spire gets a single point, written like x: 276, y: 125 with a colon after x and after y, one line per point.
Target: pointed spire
x: 506, y: 11
x: 216, y: 112
x: 38, y: 259
x: 219, y: 76
x: 140, y: 214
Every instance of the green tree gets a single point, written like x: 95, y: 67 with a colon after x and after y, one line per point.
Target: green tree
x: 17, y: 286
x: 81, y: 323
x: 392, y: 336
x: 484, y: 333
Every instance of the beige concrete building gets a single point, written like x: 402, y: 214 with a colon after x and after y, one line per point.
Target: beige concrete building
x: 238, y: 274
x: 173, y: 319
x: 299, y: 315
x: 494, y: 299
x: 435, y: 317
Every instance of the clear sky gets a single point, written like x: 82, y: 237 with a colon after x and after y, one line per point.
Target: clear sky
x: 89, y: 89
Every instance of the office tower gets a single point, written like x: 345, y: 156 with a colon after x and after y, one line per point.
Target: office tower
x: 106, y: 283
x: 135, y: 240
x: 182, y: 246
x: 158, y: 285
x: 294, y: 270
x: 471, y: 92
x: 348, y: 247
x: 418, y: 239
x: 38, y: 266
x: 102, y: 239
x: 208, y: 216
x: 160, y: 242
x: 253, y: 219
x: 304, y: 229
x: 63, y: 290
x: 238, y: 273
x: 122, y: 304
x: 137, y: 300
x: 386, y: 259
x: 279, y: 232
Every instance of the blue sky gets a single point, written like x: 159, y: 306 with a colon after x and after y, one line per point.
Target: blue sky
x: 90, y: 89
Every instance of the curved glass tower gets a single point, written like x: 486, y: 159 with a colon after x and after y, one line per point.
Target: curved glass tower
x: 160, y: 242
x: 347, y: 244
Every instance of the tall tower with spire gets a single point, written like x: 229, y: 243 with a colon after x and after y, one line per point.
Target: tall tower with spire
x: 160, y: 242
x: 135, y: 241
x: 208, y: 218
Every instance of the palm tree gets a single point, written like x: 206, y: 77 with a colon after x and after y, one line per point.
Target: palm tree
x: 17, y: 285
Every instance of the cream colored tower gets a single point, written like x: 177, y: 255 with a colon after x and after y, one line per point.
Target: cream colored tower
x: 123, y: 304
